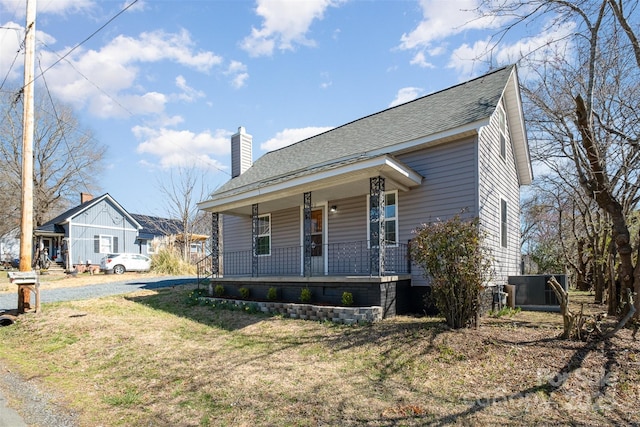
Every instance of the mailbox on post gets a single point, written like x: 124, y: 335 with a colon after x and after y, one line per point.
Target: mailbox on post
x: 27, y: 281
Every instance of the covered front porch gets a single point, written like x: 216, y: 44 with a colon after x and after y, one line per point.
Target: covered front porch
x: 305, y: 225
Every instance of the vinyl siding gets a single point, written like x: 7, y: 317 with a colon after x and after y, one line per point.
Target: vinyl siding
x: 349, y: 223
x: 102, y: 219
x: 498, y: 180
x: 285, y: 243
x: 449, y: 186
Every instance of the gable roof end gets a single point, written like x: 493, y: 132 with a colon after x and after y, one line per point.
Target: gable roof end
x: 518, y: 133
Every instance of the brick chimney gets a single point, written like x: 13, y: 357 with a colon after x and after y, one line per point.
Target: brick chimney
x: 85, y: 197
x: 241, y: 152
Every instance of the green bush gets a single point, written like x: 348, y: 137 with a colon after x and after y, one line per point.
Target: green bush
x: 244, y: 293
x: 305, y: 295
x: 457, y: 264
x: 272, y: 294
x: 347, y: 298
x: 218, y: 290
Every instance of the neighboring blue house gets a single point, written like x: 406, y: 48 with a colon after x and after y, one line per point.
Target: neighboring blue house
x: 94, y: 228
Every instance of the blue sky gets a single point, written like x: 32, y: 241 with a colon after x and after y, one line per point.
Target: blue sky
x: 168, y: 82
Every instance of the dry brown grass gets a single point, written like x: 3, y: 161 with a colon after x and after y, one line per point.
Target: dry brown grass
x: 151, y: 359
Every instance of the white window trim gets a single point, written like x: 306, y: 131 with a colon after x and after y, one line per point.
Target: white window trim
x: 266, y: 234
x: 389, y: 245
x: 504, y: 230
x: 502, y: 119
x: 110, y: 237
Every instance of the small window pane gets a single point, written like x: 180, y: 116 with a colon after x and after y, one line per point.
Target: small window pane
x: 263, y: 245
x: 390, y: 232
x: 264, y: 225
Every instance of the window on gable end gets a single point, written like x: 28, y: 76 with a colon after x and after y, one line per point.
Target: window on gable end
x: 503, y: 223
x: 502, y: 124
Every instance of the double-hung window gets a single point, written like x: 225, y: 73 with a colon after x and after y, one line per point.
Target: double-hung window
x: 263, y: 244
x: 390, y: 217
x: 105, y: 244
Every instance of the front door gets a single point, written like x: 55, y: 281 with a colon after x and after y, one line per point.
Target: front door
x: 317, y: 242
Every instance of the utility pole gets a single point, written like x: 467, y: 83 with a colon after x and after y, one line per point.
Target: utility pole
x: 26, y: 224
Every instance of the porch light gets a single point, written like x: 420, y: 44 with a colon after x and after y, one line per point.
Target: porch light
x: 334, y: 209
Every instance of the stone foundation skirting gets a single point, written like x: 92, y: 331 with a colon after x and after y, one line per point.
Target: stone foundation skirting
x: 344, y: 315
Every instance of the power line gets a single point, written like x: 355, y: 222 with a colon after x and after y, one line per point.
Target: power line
x: 85, y: 40
x: 63, y: 133
x: 20, y: 48
x: 85, y: 77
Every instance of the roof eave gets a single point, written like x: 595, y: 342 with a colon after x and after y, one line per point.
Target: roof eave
x: 518, y: 132
x: 384, y: 165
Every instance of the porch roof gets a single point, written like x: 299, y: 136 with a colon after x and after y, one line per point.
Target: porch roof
x: 330, y: 181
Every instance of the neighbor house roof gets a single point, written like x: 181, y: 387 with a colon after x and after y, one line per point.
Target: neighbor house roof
x: 153, y: 226
x: 451, y: 113
x: 55, y: 226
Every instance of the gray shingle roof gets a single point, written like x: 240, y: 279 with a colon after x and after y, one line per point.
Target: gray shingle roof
x: 438, y: 112
x: 153, y: 226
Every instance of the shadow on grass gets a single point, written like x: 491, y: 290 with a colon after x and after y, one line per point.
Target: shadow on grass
x: 394, y: 346
x: 178, y: 299
x: 529, y: 397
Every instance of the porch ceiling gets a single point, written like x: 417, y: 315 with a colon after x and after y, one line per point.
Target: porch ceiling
x: 326, y: 183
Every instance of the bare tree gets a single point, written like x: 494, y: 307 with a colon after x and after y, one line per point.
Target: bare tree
x: 585, y: 92
x: 183, y: 190
x: 67, y: 159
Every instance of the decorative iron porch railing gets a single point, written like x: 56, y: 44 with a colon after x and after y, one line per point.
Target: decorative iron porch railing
x: 333, y: 259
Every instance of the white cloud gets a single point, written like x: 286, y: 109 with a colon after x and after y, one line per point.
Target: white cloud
x: 291, y: 136
x: 138, y: 7
x: 188, y: 94
x: 238, y: 72
x: 326, y: 83
x: 10, y: 35
x: 57, y: 7
x: 420, y: 60
x: 183, y: 147
x: 108, y: 79
x: 406, y: 94
x: 156, y: 46
x: 442, y: 19
x: 285, y: 24
x: 535, y: 48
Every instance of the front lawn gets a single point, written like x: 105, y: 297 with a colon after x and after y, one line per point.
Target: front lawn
x: 151, y: 358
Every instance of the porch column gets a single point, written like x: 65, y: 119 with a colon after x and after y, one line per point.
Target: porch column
x: 376, y: 226
x: 307, y: 234
x: 215, y: 244
x: 254, y: 240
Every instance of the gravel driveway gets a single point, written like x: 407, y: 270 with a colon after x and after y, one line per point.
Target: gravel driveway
x: 30, y: 406
x: 9, y: 301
